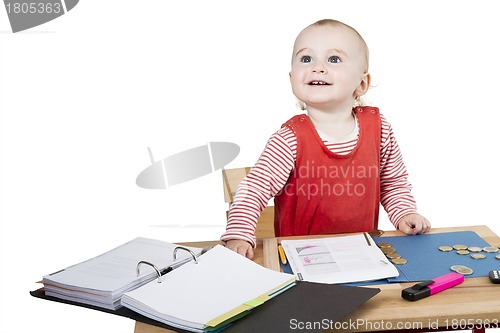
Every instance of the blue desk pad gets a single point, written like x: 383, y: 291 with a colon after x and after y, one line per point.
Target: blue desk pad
x: 426, y: 261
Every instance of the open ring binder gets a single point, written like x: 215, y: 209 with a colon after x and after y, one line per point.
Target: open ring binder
x: 150, y: 264
x: 168, y: 269
x: 185, y: 249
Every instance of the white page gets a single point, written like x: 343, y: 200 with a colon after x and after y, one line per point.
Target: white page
x: 339, y: 259
x: 198, y: 293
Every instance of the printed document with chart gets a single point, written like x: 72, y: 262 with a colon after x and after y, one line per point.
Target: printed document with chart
x: 341, y: 259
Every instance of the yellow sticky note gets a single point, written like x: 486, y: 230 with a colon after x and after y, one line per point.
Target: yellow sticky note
x: 254, y: 302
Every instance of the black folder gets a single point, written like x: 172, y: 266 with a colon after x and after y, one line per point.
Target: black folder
x: 307, y: 307
x: 303, y: 305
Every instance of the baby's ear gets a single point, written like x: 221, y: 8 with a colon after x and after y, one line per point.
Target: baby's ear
x: 364, y: 85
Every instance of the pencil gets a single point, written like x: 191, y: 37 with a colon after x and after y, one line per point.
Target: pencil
x: 282, y: 254
x: 367, y: 240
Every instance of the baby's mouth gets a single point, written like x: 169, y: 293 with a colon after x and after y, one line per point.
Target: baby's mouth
x: 319, y: 83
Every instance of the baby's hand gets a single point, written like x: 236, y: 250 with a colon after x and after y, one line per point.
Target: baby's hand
x: 240, y: 246
x: 413, y: 224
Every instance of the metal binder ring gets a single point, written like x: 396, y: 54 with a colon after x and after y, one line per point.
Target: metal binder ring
x: 185, y: 249
x: 150, y: 264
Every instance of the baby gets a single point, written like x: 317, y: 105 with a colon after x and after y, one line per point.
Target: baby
x: 330, y: 168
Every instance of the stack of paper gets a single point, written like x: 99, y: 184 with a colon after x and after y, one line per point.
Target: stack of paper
x: 101, y: 281
x: 340, y: 259
x: 208, y: 295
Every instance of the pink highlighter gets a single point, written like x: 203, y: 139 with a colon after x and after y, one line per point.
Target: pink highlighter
x: 431, y: 287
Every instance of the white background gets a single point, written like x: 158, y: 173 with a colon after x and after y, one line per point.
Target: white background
x: 83, y: 96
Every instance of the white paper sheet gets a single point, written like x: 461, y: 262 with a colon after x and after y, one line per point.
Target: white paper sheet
x: 339, y: 259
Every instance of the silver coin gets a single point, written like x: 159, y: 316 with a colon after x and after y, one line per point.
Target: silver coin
x: 497, y: 256
x: 475, y: 249
x: 464, y: 270
x: 445, y: 248
x: 462, y: 252
x: 490, y: 249
x: 478, y: 256
x: 460, y: 247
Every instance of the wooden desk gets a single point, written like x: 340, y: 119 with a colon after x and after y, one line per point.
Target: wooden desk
x: 474, y: 304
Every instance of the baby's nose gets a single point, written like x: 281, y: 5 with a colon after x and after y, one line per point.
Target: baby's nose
x: 319, y: 69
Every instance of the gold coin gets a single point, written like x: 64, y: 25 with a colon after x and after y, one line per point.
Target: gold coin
x: 460, y: 247
x: 445, y: 248
x: 399, y: 261
x: 462, y: 252
x: 478, y: 256
x: 497, y: 256
x: 464, y: 270
x: 376, y: 233
x: 388, y: 250
x: 475, y: 249
x: 384, y: 244
x: 393, y: 255
x: 490, y: 249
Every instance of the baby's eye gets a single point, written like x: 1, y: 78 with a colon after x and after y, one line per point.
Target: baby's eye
x: 334, y: 59
x: 305, y: 59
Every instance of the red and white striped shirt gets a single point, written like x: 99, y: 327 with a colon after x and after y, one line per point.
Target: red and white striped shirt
x: 273, y: 168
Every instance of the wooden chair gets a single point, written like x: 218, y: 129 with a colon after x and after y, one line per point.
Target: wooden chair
x: 231, y: 179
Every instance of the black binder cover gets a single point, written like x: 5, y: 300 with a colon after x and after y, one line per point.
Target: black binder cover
x: 307, y: 302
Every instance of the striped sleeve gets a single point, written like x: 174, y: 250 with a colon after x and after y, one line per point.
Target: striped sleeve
x: 395, y: 190
x: 265, y: 180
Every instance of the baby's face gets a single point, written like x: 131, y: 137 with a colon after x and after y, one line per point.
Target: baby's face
x: 328, y: 64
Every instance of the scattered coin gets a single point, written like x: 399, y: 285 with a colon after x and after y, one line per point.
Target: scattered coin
x: 376, y: 233
x: 497, y: 256
x: 399, y: 261
x: 464, y: 270
x: 445, y: 248
x: 475, y: 249
x: 460, y: 247
x: 384, y: 244
x: 393, y: 255
x: 462, y: 252
x: 478, y: 256
x: 388, y: 250
x: 490, y: 249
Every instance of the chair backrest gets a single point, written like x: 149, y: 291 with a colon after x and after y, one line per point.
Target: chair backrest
x: 231, y: 179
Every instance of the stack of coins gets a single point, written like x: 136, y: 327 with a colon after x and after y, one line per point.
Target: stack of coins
x: 477, y: 254
x: 390, y: 253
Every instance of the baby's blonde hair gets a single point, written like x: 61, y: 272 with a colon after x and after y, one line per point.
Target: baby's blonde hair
x: 334, y: 23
